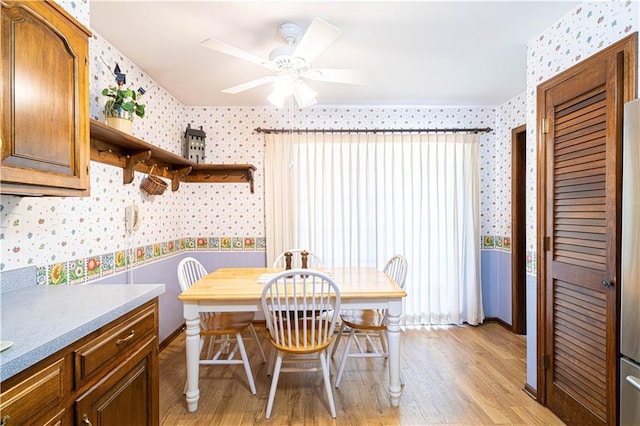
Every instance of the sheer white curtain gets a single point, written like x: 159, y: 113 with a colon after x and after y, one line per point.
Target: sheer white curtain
x: 357, y: 199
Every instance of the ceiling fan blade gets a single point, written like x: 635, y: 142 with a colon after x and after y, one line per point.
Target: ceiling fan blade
x: 248, y: 85
x: 335, y: 75
x: 234, y: 51
x: 316, y: 39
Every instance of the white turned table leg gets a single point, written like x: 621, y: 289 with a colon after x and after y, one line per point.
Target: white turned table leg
x: 192, y: 341
x: 393, y: 338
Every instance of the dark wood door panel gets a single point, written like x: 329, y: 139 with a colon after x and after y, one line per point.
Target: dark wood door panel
x: 579, y: 202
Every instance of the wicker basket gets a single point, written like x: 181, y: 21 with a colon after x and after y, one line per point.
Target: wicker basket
x: 153, y: 185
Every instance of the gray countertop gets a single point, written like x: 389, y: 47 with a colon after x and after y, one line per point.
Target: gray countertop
x: 40, y: 320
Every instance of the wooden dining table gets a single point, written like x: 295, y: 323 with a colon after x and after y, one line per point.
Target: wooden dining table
x: 240, y: 289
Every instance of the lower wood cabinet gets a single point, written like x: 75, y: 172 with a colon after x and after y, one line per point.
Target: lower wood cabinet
x: 39, y: 398
x: 126, y: 395
x: 109, y: 377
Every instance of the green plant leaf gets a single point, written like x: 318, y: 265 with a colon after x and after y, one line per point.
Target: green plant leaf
x: 125, y: 98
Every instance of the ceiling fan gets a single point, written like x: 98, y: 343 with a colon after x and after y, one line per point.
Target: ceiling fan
x: 291, y: 63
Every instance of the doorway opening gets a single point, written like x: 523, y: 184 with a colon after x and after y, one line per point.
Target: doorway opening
x: 518, y: 230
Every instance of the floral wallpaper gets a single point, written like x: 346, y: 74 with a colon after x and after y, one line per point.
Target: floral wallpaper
x: 496, y: 178
x: 498, y: 202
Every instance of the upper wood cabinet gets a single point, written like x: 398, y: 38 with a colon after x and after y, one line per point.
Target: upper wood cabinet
x: 45, y: 101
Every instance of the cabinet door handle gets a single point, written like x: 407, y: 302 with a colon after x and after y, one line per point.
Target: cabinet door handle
x: 4, y: 420
x: 85, y: 420
x: 126, y: 339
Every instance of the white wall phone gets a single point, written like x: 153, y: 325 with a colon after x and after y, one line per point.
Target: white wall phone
x: 132, y: 217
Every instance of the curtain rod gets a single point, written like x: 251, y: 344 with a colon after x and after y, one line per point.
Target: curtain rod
x: 444, y: 130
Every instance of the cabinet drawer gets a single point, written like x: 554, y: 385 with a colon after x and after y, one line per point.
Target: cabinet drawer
x: 40, y: 393
x: 113, y: 344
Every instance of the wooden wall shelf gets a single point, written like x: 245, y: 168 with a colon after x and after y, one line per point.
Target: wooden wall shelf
x: 111, y: 146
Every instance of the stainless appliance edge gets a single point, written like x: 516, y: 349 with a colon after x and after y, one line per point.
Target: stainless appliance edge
x: 630, y: 279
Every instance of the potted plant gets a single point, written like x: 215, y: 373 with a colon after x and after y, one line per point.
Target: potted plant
x: 123, y: 104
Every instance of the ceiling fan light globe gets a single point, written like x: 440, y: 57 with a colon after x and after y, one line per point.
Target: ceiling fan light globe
x: 303, y: 94
x: 283, y: 86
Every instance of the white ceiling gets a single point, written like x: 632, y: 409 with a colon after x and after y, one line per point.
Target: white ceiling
x: 413, y: 53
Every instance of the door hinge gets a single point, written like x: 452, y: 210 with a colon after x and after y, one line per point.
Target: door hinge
x: 545, y: 361
x: 546, y: 243
x: 545, y: 126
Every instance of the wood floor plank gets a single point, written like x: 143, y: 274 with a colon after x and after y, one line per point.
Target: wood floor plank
x: 453, y: 375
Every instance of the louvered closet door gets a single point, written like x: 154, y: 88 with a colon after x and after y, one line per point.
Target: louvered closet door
x: 579, y: 251
x: 581, y: 156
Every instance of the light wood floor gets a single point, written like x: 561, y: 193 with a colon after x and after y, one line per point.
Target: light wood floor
x: 453, y: 375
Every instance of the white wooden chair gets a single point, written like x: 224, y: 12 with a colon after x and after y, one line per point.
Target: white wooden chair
x: 301, y: 313
x: 313, y: 261
x: 366, y: 324
x: 219, y: 326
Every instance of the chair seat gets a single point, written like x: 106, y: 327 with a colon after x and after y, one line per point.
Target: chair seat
x: 364, y: 319
x: 226, y: 323
x: 303, y: 342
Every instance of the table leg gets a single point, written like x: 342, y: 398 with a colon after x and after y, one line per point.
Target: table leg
x: 393, y: 339
x: 192, y: 342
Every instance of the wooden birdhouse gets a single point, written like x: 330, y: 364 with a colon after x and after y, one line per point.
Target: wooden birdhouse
x: 194, y: 144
